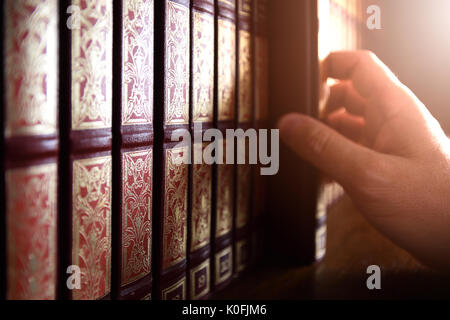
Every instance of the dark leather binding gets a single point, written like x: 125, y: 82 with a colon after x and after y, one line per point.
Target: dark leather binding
x: 29, y: 110
x: 86, y: 139
x: 133, y: 149
x: 292, y: 224
x: 200, y: 183
x: 2, y: 166
x: 171, y: 112
x: 260, y: 121
x: 224, y: 118
x: 244, y: 121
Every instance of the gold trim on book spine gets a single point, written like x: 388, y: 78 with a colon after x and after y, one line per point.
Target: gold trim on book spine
x: 227, y: 69
x: 31, y: 67
x: 203, y: 66
x: 137, y: 68
x: 31, y: 232
x: 225, y: 199
x: 92, y: 66
x: 245, y: 7
x: 228, y: 265
x: 230, y: 3
x: 175, y: 207
x: 136, y: 215
x: 176, y: 286
x: 91, y: 214
x: 201, y: 202
x: 206, y: 278
x: 177, y: 64
x: 245, y: 76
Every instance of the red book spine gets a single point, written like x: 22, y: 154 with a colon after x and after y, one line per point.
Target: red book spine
x: 31, y: 146
x: 172, y: 21
x: 86, y: 160
x: 133, y: 149
x: 202, y: 113
x: 224, y: 174
x: 244, y: 121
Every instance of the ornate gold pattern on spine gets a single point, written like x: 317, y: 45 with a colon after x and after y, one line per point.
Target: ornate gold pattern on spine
x: 245, y: 7
x: 203, y: 66
x: 201, y: 205
x: 92, y: 66
x: 227, y: 69
x: 224, y: 268
x: 225, y: 191
x: 137, y: 77
x: 243, y: 195
x: 179, y: 289
x: 147, y: 297
x: 31, y: 227
x: 175, y: 207
x: 245, y: 77
x: 31, y: 67
x: 91, y: 213
x: 177, y: 64
x: 136, y: 215
x: 262, y: 79
x: 200, y: 282
x: 231, y: 3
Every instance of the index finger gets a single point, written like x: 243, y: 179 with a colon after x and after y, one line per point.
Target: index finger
x: 369, y: 76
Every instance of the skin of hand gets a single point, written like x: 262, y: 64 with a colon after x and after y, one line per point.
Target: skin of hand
x: 387, y: 151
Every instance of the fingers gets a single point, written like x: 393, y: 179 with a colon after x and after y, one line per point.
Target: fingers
x: 369, y: 76
x: 346, y: 124
x: 336, y: 156
x: 344, y: 95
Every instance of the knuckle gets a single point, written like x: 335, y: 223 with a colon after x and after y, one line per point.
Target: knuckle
x: 368, y: 55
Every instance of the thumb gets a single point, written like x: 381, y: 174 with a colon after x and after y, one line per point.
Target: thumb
x: 332, y: 153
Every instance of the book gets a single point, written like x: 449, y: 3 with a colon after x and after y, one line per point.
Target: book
x: 133, y: 149
x: 260, y: 121
x: 224, y: 118
x: 291, y: 224
x: 202, y: 116
x: 340, y: 19
x: 244, y: 121
x: 85, y: 153
x: 29, y: 80
x: 2, y: 165
x: 171, y: 112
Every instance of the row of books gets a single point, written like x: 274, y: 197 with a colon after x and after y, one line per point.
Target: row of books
x: 96, y: 203
x: 340, y: 23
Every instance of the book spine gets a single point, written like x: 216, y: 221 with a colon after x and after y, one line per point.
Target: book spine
x: 2, y: 160
x: 244, y: 121
x: 260, y: 119
x: 31, y: 148
x: 294, y: 82
x: 133, y: 149
x: 202, y: 116
x: 171, y: 113
x: 86, y: 136
x: 224, y: 118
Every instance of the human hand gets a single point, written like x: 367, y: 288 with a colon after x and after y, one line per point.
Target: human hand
x: 387, y: 151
